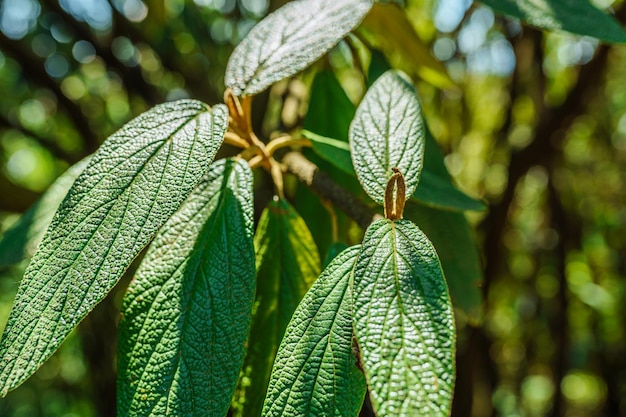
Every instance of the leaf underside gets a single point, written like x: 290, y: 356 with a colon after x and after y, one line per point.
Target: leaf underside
x: 21, y: 240
x: 132, y: 185
x: 315, y: 372
x: 287, y: 263
x: 563, y: 15
x: 186, y: 314
x: 404, y: 322
x: 289, y: 40
x: 387, y: 132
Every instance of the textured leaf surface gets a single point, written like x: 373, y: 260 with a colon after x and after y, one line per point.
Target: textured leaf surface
x: 289, y: 40
x: 452, y: 235
x: 20, y: 240
x: 186, y: 315
x: 132, y: 185
x: 436, y: 188
x: 403, y: 322
x: 315, y: 372
x: 287, y: 263
x: 387, y: 131
x: 576, y: 16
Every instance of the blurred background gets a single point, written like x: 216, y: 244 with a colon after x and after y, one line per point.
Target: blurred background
x: 533, y: 123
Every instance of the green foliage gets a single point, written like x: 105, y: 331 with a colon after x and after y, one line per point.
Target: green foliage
x: 388, y: 132
x: 224, y: 317
x: 403, y: 321
x: 576, y: 16
x: 315, y: 372
x: 437, y: 188
x: 287, y: 263
x: 186, y: 315
x: 288, y: 41
x: 451, y: 234
x: 334, y: 110
x: 21, y: 240
x: 132, y: 185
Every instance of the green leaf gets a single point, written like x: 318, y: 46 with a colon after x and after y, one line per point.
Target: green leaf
x: 335, y: 151
x: 436, y: 187
x: 132, y: 185
x: 20, y: 240
x: 452, y: 236
x: 575, y: 16
x: 186, y: 315
x: 388, y: 132
x: 287, y: 263
x: 289, y: 40
x: 315, y: 372
x: 403, y: 321
x: 330, y: 109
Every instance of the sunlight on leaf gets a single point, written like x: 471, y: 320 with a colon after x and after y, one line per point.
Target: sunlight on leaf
x: 186, y: 314
x: 132, y: 185
x: 404, y: 322
x: 315, y: 372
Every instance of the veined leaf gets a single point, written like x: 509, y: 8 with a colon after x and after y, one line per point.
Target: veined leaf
x: 287, y: 263
x: 330, y: 109
x: 388, y: 132
x: 20, y: 240
x: 186, y: 315
x: 403, y: 321
x: 132, y: 185
x: 315, y: 372
x: 436, y: 187
x: 563, y: 15
x: 289, y: 40
x: 387, y: 27
x: 452, y: 236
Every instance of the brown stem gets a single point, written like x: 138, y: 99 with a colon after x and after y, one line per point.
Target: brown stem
x: 308, y: 173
